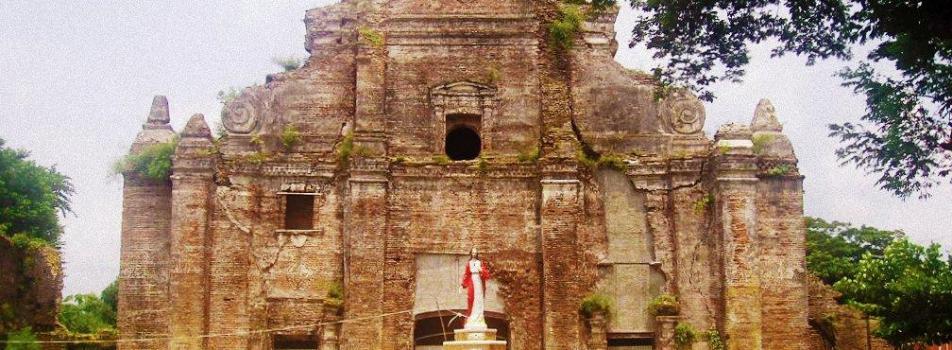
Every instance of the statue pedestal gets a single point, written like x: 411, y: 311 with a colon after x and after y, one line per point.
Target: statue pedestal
x: 475, y: 339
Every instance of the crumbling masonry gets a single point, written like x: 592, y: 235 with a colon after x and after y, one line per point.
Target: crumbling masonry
x: 419, y: 129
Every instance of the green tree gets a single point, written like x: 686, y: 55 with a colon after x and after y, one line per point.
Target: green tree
x: 23, y: 339
x: 909, y: 289
x: 834, y: 249
x: 110, y: 296
x: 30, y: 197
x: 906, y: 134
x: 87, y: 314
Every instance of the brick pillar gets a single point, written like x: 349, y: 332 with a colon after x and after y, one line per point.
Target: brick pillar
x: 144, y: 256
x: 192, y: 188
x: 559, y: 217
x: 664, y: 332
x: 598, y: 328
x: 736, y: 217
x: 365, y: 222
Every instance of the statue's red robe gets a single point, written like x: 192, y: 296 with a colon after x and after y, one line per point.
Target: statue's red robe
x: 468, y: 284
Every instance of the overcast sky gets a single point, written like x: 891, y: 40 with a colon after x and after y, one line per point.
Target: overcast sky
x: 77, y: 80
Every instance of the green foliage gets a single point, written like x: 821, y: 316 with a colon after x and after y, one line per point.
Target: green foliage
x: 701, y: 205
x: 596, y: 303
x: 153, y: 163
x: 30, y: 197
x: 23, y: 339
x: 441, y: 159
x: 613, y: 161
x: 335, y: 294
x: 226, y: 96
x: 723, y: 149
x: 373, y: 37
x: 684, y: 335
x: 399, y: 160
x: 26, y: 242
x: 530, y: 155
x: 779, y: 170
x: 345, y: 148
x: 257, y: 158
x: 562, y: 30
x: 714, y: 341
x: 493, y: 74
x: 835, y: 248
x: 760, y: 143
x: 290, y: 136
x: 586, y: 159
x: 110, y: 296
x: 909, y: 289
x: 256, y: 140
x: 906, y: 133
x: 482, y: 165
x: 664, y: 305
x: 288, y: 63
x: 87, y: 314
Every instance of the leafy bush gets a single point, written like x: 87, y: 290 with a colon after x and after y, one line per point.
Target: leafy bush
x: 613, y: 161
x: 28, y: 243
x: 290, y: 136
x: 779, y: 170
x: 153, y: 163
x: 664, y: 305
x: 30, y: 197
x: 684, y: 335
x: 701, y: 205
x: 714, y: 341
x: 87, y: 314
x: 23, y: 339
x: 760, y: 143
x: 596, y: 303
x: 563, y: 30
x: 288, y: 63
x: 110, y: 295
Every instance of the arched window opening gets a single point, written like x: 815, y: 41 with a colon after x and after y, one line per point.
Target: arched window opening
x: 432, y: 328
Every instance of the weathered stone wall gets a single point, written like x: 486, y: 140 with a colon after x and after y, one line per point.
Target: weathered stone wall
x: 32, y: 281
x: 835, y: 326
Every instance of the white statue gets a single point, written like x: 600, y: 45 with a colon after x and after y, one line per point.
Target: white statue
x: 474, y: 280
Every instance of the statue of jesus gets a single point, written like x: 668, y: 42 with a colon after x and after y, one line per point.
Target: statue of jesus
x: 474, y: 280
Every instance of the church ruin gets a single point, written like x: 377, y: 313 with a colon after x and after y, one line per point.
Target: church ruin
x: 338, y: 210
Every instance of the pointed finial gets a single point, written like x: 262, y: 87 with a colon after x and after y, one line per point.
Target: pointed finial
x: 159, y: 114
x: 197, y: 128
x: 765, y: 118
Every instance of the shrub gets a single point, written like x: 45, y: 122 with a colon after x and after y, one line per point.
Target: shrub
x: 684, y: 335
x: 714, y: 341
x: 779, y: 170
x: 664, y: 305
x: 26, y: 242
x: 563, y: 30
x: 596, y: 303
x: 154, y: 162
x: 87, y: 314
x: 335, y: 294
x: 23, y: 339
x: 290, y: 136
x: 288, y: 63
x: 701, y: 205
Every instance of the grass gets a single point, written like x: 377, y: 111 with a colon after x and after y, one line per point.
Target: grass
x: 441, y: 159
x: 779, y: 170
x: 345, y: 148
x: 290, y: 137
x: 664, y: 305
x: 701, y: 205
x: 373, y: 37
x: 596, y: 303
x: 530, y: 155
x: 563, y: 30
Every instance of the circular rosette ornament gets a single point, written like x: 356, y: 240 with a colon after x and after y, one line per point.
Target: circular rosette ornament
x: 240, y: 116
x: 683, y: 113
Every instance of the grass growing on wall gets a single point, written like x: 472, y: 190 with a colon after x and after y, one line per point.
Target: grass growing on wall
x: 153, y: 163
x: 563, y: 30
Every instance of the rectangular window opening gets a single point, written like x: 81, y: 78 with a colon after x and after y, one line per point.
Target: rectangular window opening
x: 294, y: 342
x: 299, y: 212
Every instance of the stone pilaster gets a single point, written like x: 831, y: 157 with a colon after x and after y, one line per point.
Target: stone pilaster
x: 365, y: 224
x: 736, y: 223
x: 598, y: 332
x: 144, y: 257
x: 192, y: 190
x: 559, y: 218
x: 664, y: 332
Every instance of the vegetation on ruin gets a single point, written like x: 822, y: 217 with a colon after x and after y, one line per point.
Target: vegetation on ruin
x: 779, y: 170
x: 714, y: 340
x: 664, y: 305
x: 441, y: 159
x: 88, y: 316
x: 909, y: 289
x: 373, y: 37
x: 530, y: 155
x: 226, y: 96
x: 31, y: 197
x: 684, y: 335
x: 613, y: 161
x: 565, y: 27
x: 905, y: 136
x: 702, y: 204
x: 493, y: 74
x: 290, y: 136
x: 23, y: 339
x: 760, y: 143
x: 287, y: 63
x: 257, y: 158
x: 482, y: 165
x: 335, y: 295
x: 154, y: 162
x: 597, y: 303
x: 345, y: 148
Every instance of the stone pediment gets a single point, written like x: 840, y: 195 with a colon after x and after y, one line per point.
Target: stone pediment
x: 463, y: 88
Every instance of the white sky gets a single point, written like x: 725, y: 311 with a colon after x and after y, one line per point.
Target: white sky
x: 77, y: 80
